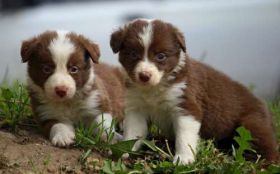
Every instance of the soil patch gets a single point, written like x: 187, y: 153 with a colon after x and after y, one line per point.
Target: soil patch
x: 29, y: 152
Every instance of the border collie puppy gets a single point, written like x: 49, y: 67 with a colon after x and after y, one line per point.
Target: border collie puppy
x: 185, y: 98
x: 67, y: 86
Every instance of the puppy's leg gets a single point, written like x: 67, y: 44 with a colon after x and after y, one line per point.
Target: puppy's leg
x: 106, y: 120
x: 135, y: 126
x: 62, y: 134
x: 263, y: 133
x: 187, y: 135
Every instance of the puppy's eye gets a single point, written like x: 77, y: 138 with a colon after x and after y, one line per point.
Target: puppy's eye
x: 160, y: 57
x: 47, y: 69
x: 73, y: 69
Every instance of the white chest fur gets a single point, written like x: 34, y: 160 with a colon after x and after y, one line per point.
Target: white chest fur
x: 71, y: 111
x: 159, y: 104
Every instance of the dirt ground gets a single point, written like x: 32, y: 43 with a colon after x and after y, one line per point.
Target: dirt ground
x: 29, y: 152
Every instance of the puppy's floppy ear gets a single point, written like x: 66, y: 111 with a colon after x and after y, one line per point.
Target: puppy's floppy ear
x: 91, y: 48
x: 180, y: 39
x: 117, y: 38
x: 27, y: 48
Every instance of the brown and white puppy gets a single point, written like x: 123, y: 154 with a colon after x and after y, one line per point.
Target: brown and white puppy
x: 185, y: 98
x: 66, y: 85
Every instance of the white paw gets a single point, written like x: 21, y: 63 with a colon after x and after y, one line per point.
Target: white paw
x: 183, y: 159
x: 62, y: 134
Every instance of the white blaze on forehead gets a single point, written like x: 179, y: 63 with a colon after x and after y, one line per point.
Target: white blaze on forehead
x: 146, y: 38
x: 145, y: 65
x: 61, y: 48
x: 141, y: 19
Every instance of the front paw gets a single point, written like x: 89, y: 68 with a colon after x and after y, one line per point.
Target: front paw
x: 183, y: 159
x: 62, y: 135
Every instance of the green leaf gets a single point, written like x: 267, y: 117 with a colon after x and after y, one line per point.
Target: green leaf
x: 244, y: 133
x: 107, y: 167
x: 243, y: 140
x: 120, y: 166
x: 110, y: 167
x: 120, y: 148
x: 152, y: 146
x: 274, y: 169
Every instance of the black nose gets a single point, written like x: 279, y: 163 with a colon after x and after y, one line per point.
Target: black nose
x: 61, y: 91
x: 144, y: 76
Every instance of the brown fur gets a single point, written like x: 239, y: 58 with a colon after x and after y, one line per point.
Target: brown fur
x: 223, y: 105
x: 34, y: 52
x: 111, y: 83
x: 218, y: 102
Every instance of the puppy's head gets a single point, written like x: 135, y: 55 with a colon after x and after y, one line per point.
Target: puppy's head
x: 59, y: 62
x: 149, y: 50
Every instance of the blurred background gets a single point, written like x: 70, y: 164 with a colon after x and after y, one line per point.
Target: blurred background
x: 239, y: 37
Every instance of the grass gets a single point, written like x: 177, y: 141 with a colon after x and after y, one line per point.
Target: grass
x: 156, y: 156
x: 33, y: 165
x: 14, y: 106
x: 208, y: 160
x: 274, y: 107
